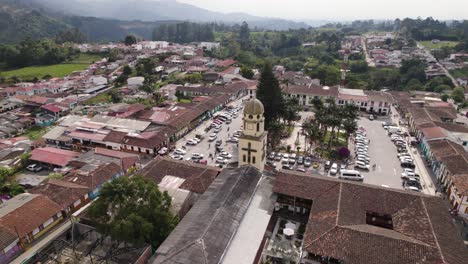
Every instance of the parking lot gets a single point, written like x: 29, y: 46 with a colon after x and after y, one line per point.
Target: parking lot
x: 205, y: 147
x: 383, y: 153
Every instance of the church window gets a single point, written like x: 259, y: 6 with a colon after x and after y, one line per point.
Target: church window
x: 253, y: 160
x: 258, y: 127
x: 250, y: 116
x: 243, y: 158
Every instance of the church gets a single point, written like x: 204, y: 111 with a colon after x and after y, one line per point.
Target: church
x: 253, y: 142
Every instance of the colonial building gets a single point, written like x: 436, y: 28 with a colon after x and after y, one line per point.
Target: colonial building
x: 252, y: 143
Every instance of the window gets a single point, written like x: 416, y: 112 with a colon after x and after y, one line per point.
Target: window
x: 243, y: 158
x: 258, y: 127
x: 253, y: 160
x: 250, y: 116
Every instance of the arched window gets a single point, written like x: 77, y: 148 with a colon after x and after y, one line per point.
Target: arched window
x: 258, y: 116
x: 250, y: 116
x: 243, y: 158
x: 258, y: 127
x: 253, y: 160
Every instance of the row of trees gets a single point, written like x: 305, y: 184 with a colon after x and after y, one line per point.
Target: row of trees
x: 184, y: 32
x: 329, y: 120
x: 30, y: 52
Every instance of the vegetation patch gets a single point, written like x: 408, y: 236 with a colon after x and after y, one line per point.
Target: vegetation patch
x: 439, y: 45
x: 58, y: 71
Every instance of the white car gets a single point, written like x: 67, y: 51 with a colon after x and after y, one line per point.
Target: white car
x: 34, y: 168
x: 225, y: 155
x: 217, y: 130
x: 285, y: 160
x: 221, y: 160
x: 362, y: 159
x: 197, y: 156
x: 177, y: 157
x: 361, y: 165
x: 162, y: 151
x: 212, y: 137
x: 191, y: 142
x: 196, y: 140
x: 180, y: 152
x: 362, y: 156
x: 334, y: 169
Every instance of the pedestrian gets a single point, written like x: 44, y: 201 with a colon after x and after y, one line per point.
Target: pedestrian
x: 209, y: 145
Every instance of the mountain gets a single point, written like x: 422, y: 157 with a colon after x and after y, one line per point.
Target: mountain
x: 151, y: 10
x: 19, y: 20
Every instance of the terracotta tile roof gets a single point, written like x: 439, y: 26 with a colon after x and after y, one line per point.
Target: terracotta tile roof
x: 94, y: 178
x: 434, y: 132
x: 54, y: 156
x: 225, y: 63
x: 6, y: 237
x: 63, y: 193
x: 312, y: 90
x: 460, y: 181
x: 197, y: 177
x: 30, y: 215
x: 115, y: 137
x: 337, y: 227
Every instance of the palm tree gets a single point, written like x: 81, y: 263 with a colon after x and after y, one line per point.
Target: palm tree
x: 312, y: 131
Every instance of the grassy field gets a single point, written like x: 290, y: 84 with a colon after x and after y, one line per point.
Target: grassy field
x: 102, y: 98
x: 430, y: 45
x: 80, y: 63
x: 36, y: 132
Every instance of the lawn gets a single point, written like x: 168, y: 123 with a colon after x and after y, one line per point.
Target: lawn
x: 430, y: 45
x: 81, y: 62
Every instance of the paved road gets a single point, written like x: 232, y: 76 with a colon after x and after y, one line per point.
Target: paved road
x: 428, y: 52
x: 205, y: 147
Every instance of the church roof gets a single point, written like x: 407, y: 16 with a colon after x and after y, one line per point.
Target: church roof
x: 254, y: 107
x: 204, y: 234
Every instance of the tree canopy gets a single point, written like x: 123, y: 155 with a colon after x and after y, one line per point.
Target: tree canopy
x: 133, y: 210
x: 130, y: 40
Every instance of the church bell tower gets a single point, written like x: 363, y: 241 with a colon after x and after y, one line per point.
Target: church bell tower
x: 252, y: 143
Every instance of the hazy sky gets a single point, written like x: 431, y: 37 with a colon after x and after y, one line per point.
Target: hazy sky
x: 340, y: 9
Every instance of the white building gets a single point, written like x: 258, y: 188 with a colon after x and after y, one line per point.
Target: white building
x: 135, y: 82
x: 209, y: 45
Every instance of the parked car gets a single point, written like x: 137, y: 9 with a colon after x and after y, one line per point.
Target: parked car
x: 287, y: 167
x: 301, y: 169
x: 327, y: 165
x: 407, y: 165
x: 307, y: 162
x: 218, y: 143
x: 334, y: 169
x: 371, y: 117
x: 361, y: 165
x: 177, y: 157
x: 221, y: 160
x: 180, y: 152
x: 272, y: 155
x: 197, y: 156
x: 225, y: 155
x: 300, y: 160
x: 352, y: 175
x: 212, y: 137
x: 163, y: 151
x: 217, y: 130
x: 34, y: 168
x: 278, y: 156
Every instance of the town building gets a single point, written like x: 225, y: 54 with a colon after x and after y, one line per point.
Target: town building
x: 253, y: 141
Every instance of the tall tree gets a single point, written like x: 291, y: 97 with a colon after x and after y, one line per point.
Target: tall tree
x: 270, y: 94
x: 458, y: 94
x: 130, y: 40
x: 246, y: 72
x: 244, y: 35
x: 133, y: 210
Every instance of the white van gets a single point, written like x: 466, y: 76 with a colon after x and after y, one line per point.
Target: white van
x: 352, y: 175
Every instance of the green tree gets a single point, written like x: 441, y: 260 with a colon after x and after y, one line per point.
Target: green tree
x: 147, y: 88
x: 193, y: 78
x: 115, y: 96
x: 270, y: 94
x: 442, y: 87
x: 130, y: 40
x: 133, y: 210
x: 458, y: 94
x: 444, y: 97
x: 127, y: 70
x: 244, y: 35
x: 246, y: 72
